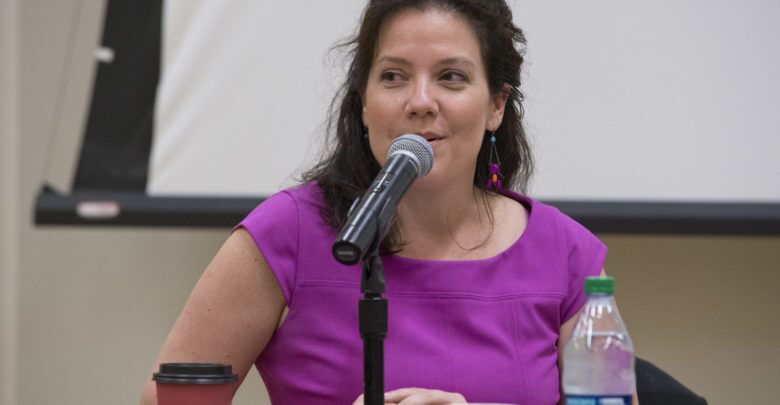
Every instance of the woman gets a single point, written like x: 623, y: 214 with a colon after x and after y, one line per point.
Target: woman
x: 483, y: 284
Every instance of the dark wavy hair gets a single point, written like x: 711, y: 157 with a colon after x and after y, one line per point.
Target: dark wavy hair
x: 348, y: 166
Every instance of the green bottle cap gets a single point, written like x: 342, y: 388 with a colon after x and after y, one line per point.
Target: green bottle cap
x: 599, y: 285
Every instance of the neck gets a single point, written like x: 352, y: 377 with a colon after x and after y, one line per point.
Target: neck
x: 443, y: 219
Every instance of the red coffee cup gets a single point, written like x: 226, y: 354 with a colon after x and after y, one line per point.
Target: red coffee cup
x: 195, y: 384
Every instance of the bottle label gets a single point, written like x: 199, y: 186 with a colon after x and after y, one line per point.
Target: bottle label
x: 598, y: 400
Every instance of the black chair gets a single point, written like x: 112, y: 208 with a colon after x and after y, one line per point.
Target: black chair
x: 656, y: 387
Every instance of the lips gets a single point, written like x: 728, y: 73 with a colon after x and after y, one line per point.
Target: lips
x: 431, y: 136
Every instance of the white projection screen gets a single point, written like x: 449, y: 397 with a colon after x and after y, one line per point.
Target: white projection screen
x: 631, y: 101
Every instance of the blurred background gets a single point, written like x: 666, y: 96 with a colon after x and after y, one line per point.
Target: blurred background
x: 84, y: 310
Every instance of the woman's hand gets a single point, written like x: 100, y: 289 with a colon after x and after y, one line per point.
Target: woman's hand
x: 418, y: 396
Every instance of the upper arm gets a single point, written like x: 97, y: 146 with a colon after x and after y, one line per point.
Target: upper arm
x: 564, y: 334
x: 568, y: 328
x: 231, y: 313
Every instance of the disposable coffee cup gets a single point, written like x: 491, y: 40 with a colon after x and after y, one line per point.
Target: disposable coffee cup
x: 195, y: 384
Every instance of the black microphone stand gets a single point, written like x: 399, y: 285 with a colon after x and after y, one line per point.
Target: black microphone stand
x: 369, y: 219
x: 372, y: 311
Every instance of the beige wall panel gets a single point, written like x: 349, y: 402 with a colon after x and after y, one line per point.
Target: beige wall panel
x: 9, y: 201
x: 705, y: 309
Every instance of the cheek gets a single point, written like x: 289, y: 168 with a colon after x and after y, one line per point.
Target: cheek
x: 379, y: 150
x: 472, y: 110
x: 470, y: 121
x: 377, y: 141
x: 375, y: 118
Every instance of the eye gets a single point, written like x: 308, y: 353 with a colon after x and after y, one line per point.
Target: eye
x: 453, y: 76
x: 390, y: 76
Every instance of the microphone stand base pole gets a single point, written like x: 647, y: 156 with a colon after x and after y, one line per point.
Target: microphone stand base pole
x: 372, y: 311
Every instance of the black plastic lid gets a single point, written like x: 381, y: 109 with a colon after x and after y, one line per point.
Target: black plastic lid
x: 195, y: 373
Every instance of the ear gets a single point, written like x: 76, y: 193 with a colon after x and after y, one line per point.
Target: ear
x: 364, y: 113
x: 498, y: 104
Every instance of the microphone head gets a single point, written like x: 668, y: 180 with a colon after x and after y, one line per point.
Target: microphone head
x: 415, y: 147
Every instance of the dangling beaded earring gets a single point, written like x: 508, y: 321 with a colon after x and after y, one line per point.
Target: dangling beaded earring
x: 495, y: 178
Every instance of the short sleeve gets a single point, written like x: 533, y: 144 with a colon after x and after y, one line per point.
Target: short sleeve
x: 274, y: 226
x: 586, y: 256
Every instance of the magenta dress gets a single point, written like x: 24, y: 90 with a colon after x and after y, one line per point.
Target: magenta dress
x: 484, y: 328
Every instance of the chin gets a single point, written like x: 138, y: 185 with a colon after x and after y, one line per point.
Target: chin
x: 436, y: 178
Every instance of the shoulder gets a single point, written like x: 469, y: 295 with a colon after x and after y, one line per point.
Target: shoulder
x: 511, y: 220
x: 542, y: 215
x: 279, y: 218
x: 275, y: 227
x: 549, y: 225
x: 567, y: 228
x: 578, y: 252
x: 550, y: 216
x: 286, y: 205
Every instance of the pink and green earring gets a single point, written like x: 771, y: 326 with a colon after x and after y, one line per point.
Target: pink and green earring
x: 494, y: 177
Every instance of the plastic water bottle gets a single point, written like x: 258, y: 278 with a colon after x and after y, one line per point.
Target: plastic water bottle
x: 598, y: 360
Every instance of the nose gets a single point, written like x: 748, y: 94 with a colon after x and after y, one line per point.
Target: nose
x: 422, y: 101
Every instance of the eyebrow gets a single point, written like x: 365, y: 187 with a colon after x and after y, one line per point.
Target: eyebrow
x: 456, y: 61
x: 393, y: 59
x: 444, y: 62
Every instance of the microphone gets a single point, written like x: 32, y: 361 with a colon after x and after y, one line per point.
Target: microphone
x: 409, y: 157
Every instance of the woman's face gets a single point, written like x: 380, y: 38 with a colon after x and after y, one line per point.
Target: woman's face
x: 428, y: 78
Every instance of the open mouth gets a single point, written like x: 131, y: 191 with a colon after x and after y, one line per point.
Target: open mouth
x: 431, y: 137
